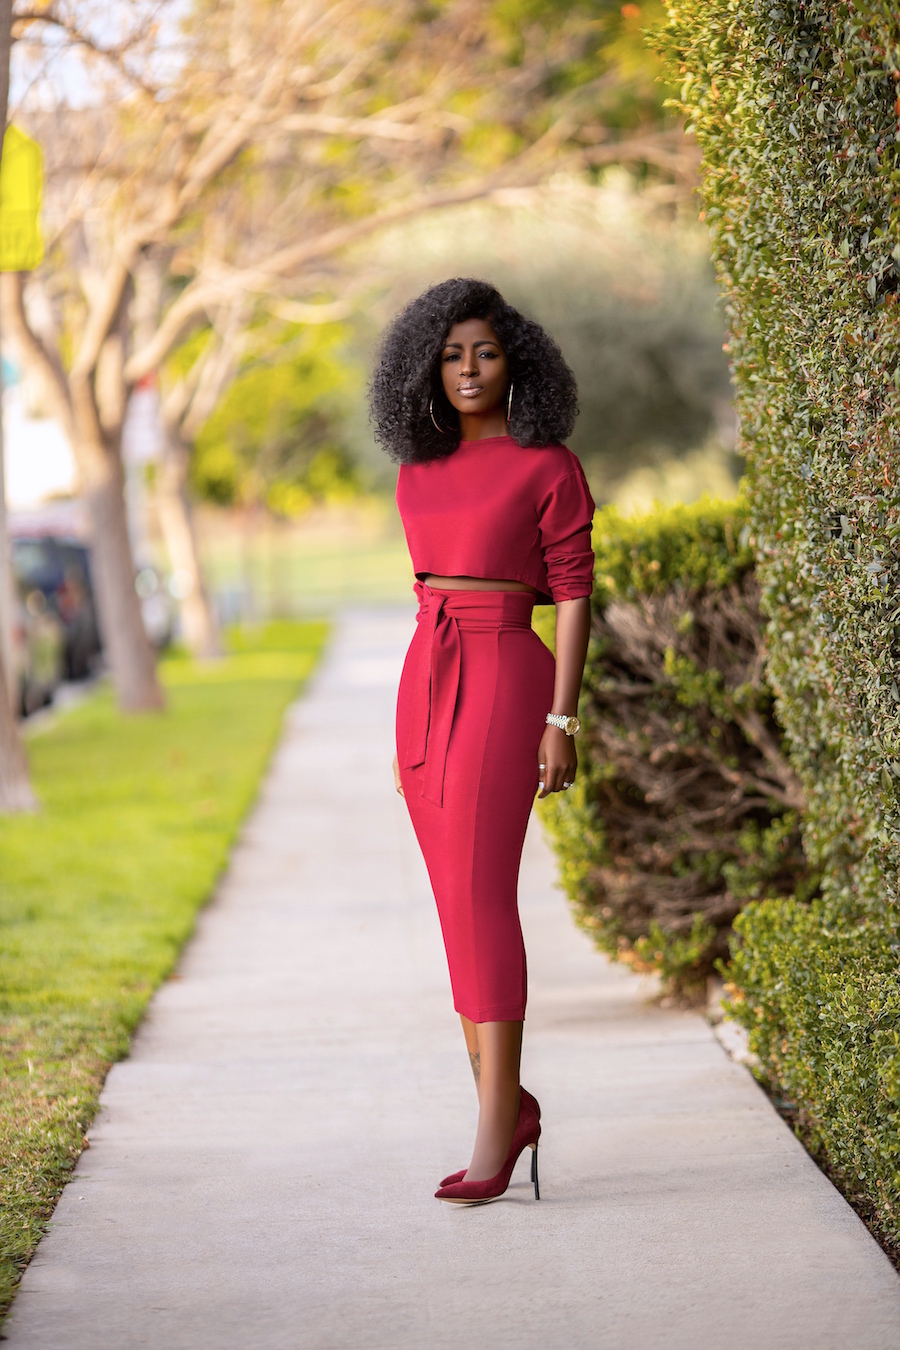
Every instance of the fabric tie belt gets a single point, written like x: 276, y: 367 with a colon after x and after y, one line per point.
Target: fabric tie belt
x: 441, y: 616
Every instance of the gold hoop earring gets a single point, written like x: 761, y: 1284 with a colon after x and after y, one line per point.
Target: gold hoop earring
x: 512, y: 385
x: 437, y: 427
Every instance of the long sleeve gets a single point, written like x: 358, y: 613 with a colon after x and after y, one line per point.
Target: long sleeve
x: 565, y: 516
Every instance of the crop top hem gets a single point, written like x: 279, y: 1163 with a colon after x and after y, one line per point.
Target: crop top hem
x: 540, y: 597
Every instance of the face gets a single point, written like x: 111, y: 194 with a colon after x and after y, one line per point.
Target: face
x: 474, y: 369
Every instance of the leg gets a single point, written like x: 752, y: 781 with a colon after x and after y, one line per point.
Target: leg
x: 470, y: 1031
x: 500, y: 1051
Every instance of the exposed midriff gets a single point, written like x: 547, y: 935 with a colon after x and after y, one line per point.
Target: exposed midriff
x: 475, y: 584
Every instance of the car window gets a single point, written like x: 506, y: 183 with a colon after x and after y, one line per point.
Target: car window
x: 35, y: 562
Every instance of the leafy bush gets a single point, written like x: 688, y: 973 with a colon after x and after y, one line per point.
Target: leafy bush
x: 685, y: 805
x: 795, y: 108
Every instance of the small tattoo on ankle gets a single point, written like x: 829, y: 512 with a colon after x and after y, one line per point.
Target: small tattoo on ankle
x: 475, y: 1059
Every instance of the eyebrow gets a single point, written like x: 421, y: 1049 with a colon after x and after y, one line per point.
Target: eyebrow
x: 480, y: 343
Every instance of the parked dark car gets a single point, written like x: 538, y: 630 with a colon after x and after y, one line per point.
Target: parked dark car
x: 60, y: 569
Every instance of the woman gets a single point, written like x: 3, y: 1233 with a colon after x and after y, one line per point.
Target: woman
x: 474, y: 399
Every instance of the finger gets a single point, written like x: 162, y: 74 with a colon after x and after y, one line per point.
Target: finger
x: 560, y: 779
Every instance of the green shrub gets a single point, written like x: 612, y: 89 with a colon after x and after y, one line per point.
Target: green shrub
x: 795, y: 108
x: 685, y: 805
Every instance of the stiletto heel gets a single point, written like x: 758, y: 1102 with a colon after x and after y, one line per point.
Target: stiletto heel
x: 528, y: 1132
x: 528, y: 1106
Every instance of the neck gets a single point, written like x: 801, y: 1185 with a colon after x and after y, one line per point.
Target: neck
x: 482, y: 426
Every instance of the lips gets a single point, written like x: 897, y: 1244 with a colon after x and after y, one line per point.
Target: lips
x: 470, y: 390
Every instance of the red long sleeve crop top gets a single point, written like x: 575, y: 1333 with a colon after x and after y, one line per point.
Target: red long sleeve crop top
x: 493, y: 509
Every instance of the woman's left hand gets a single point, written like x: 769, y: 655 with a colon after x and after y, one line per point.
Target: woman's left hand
x: 557, y: 761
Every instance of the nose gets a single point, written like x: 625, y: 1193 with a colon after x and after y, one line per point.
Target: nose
x: 468, y: 365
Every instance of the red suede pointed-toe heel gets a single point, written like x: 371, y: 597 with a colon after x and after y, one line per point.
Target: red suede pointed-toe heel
x: 479, y: 1192
x: 528, y: 1105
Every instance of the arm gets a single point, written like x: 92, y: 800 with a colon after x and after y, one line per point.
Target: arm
x: 557, y: 751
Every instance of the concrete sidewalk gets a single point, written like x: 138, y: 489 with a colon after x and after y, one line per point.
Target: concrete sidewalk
x: 262, y: 1170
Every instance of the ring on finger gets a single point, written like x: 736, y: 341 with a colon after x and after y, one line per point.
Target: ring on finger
x: 567, y: 785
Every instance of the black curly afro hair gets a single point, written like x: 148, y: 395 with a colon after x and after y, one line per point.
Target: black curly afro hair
x: 408, y: 374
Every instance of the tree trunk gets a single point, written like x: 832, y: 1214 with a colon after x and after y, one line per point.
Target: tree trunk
x: 7, y: 581
x: 15, y: 785
x: 131, y: 659
x: 7, y: 585
x: 198, y: 620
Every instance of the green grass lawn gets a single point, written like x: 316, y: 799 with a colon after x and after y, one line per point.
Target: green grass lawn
x: 307, y: 567
x: 99, y: 891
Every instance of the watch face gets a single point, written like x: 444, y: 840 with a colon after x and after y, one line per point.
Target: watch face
x: 573, y: 726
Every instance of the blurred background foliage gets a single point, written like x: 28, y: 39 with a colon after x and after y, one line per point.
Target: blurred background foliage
x: 536, y: 139
x: 277, y: 437
x: 606, y: 251
x: 622, y: 280
x: 608, y: 52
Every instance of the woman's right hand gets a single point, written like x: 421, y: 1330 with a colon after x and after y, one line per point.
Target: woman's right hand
x: 397, y: 784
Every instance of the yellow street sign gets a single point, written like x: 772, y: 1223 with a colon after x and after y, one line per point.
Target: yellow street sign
x: 21, y: 177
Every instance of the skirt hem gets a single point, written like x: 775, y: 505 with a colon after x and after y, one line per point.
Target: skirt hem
x: 493, y: 1013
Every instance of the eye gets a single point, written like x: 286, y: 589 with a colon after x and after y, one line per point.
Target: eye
x: 451, y: 356
x: 487, y: 355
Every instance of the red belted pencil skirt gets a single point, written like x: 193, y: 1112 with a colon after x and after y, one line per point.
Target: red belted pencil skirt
x: 475, y: 691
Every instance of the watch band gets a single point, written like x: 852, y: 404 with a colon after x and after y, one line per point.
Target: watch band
x: 570, y: 725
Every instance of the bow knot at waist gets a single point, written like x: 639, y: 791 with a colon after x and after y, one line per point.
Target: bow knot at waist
x: 441, y: 616
x: 476, y: 609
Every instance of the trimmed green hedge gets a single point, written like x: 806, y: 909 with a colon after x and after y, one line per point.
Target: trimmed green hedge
x: 795, y: 106
x: 685, y: 806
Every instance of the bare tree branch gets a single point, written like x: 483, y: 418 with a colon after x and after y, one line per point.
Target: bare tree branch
x: 327, y: 125
x: 15, y: 322
x: 218, y: 281
x: 102, y: 314
x: 77, y: 37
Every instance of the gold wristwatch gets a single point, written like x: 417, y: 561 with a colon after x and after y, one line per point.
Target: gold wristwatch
x: 570, y: 725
